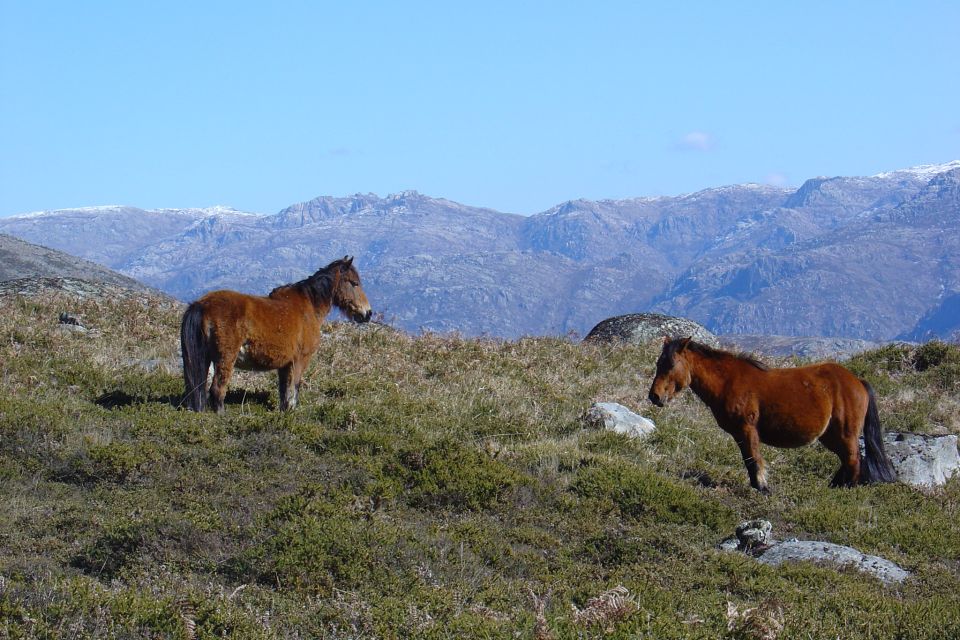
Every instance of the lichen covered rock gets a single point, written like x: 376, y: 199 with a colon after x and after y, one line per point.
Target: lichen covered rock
x: 643, y: 328
x: 921, y: 460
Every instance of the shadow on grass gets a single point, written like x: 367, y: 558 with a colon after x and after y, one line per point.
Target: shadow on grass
x: 701, y: 477
x: 119, y: 398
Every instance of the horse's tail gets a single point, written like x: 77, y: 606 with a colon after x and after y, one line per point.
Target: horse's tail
x: 196, y: 358
x: 876, y: 465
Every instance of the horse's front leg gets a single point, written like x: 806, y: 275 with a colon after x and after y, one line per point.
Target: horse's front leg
x: 749, y: 442
x: 291, y: 376
x: 289, y: 380
x: 847, y: 450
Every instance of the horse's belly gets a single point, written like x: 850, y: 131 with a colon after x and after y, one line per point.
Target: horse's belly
x: 249, y: 360
x: 790, y: 431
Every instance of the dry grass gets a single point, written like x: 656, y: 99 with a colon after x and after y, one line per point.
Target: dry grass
x: 763, y: 622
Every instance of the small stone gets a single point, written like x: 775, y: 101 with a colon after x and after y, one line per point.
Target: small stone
x: 730, y: 544
x: 165, y: 365
x: 70, y: 319
x: 754, y: 533
x: 617, y: 418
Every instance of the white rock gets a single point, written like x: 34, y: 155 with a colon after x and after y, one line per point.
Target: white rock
x: 616, y: 417
x: 923, y: 461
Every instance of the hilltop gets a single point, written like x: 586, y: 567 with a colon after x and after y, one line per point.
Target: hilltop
x: 430, y: 486
x: 23, y: 261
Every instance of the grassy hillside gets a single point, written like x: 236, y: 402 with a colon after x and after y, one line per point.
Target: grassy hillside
x: 429, y: 487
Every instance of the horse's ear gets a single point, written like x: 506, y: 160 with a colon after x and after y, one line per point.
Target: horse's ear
x: 347, y: 261
x: 685, y: 343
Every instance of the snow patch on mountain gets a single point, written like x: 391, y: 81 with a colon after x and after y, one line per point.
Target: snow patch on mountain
x: 924, y: 171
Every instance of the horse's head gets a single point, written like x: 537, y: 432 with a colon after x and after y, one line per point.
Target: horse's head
x: 673, y: 372
x: 348, y: 295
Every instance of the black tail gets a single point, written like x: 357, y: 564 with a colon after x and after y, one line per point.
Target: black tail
x: 196, y: 358
x: 876, y: 466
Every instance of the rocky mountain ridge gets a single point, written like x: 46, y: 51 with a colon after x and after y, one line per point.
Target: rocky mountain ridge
x: 873, y: 258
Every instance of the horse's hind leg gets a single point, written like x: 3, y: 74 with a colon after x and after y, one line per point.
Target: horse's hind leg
x: 289, y: 386
x: 221, y: 378
x: 848, y: 451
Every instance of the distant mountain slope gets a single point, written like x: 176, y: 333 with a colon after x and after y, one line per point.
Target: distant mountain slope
x: 858, y: 257
x: 21, y: 260
x: 111, y: 235
x: 870, y: 274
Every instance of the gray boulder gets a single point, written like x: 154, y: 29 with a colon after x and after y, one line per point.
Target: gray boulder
x: 642, y: 328
x: 617, y: 418
x: 923, y: 461
x: 833, y: 554
x: 755, y: 538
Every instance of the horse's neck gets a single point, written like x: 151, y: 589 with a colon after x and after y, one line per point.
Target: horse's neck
x: 707, y: 377
x: 297, y: 297
x: 325, y: 305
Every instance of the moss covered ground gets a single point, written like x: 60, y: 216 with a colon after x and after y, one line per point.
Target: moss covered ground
x: 429, y: 486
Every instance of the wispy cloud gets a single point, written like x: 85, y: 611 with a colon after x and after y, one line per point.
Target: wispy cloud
x: 340, y: 152
x: 697, y: 141
x: 777, y: 179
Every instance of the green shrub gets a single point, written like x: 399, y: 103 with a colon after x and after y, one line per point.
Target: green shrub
x: 931, y: 354
x: 641, y: 494
x: 446, y: 473
x: 109, y: 462
x: 316, y: 540
x: 114, y: 548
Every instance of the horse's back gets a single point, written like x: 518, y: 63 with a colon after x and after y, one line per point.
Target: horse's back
x: 822, y: 378
x: 233, y: 305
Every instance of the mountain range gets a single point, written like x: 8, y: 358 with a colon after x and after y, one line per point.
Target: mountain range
x: 875, y: 258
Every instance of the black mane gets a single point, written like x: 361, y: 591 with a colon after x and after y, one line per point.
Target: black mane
x: 318, y: 287
x: 671, y: 349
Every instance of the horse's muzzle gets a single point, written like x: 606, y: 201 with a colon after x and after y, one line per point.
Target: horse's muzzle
x: 655, y: 399
x: 363, y: 316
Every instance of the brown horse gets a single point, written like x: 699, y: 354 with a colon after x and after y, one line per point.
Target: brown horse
x: 779, y: 407
x: 280, y: 331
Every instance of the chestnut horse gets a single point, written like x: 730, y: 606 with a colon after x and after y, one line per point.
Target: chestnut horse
x: 279, y: 331
x: 779, y: 407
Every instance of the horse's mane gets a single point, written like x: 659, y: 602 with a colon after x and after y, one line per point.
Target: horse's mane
x: 714, y: 354
x: 318, y: 287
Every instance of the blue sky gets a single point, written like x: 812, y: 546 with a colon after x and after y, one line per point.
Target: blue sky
x: 514, y: 106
